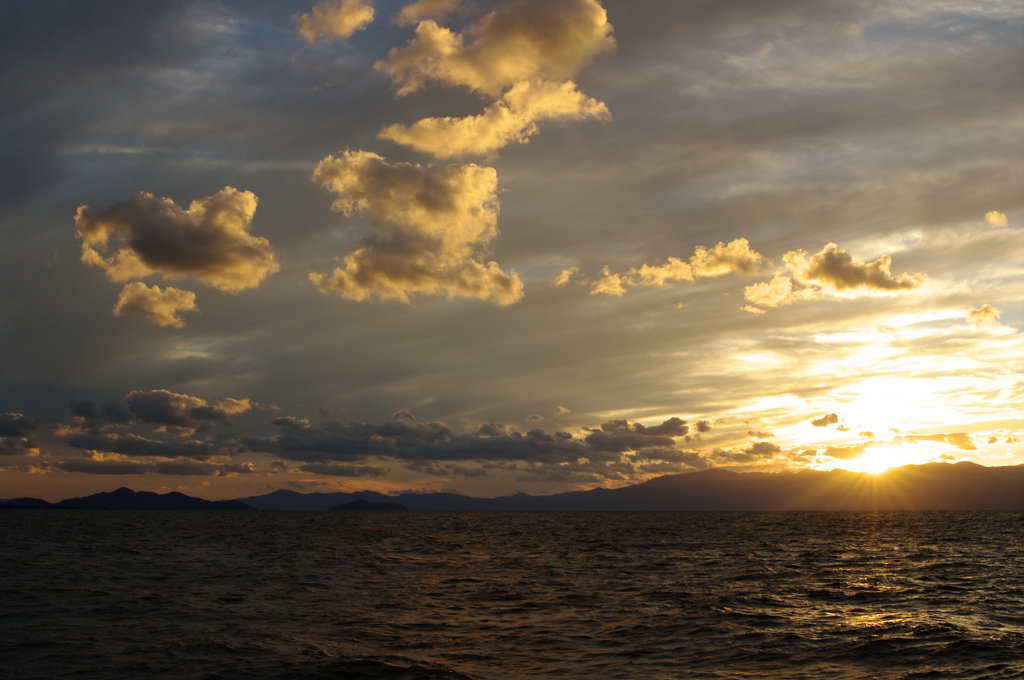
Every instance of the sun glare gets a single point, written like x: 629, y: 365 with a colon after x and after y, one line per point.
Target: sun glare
x: 877, y: 460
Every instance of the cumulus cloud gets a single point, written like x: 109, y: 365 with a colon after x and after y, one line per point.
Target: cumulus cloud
x: 181, y: 410
x: 436, y: 10
x: 334, y: 20
x: 996, y: 218
x: 524, y: 39
x: 511, y: 120
x: 431, y: 226
x: 734, y: 257
x: 161, y: 307
x: 986, y: 316
x: 533, y: 418
x: 210, y: 240
x: 832, y: 272
x: 825, y: 420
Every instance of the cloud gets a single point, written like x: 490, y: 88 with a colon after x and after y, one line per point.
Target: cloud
x: 829, y: 273
x: 533, y: 418
x: 181, y: 410
x: 620, y: 435
x: 334, y: 20
x: 960, y: 440
x: 432, y: 224
x: 613, y: 448
x: 561, y: 411
x: 343, y: 470
x: 825, y: 420
x: 986, y: 316
x: 135, y: 446
x: 547, y: 39
x: 736, y: 257
x: 415, y: 12
x: 17, y: 446
x: 210, y: 240
x: 512, y: 119
x: 756, y: 452
x: 996, y: 218
x: 161, y: 307
x: 291, y: 423
x: 98, y: 465
x: 15, y: 425
x: 565, y: 276
x: 844, y: 452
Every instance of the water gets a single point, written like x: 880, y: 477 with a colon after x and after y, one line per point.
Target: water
x: 180, y: 594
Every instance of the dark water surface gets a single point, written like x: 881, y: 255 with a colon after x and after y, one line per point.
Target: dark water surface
x: 184, y: 594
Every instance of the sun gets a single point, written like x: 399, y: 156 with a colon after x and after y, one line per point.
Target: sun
x: 877, y: 460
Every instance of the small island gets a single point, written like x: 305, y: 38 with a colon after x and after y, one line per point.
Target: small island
x: 372, y: 506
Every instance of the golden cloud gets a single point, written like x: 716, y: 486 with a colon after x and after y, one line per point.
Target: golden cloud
x: 548, y: 39
x: 210, y: 240
x: 416, y: 12
x: 335, y: 20
x: 736, y: 257
x: 161, y: 307
x: 986, y: 316
x: 996, y: 218
x: 829, y: 273
x: 512, y: 119
x: 432, y: 223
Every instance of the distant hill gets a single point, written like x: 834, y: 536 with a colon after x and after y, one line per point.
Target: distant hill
x: 126, y: 499
x: 20, y: 503
x: 935, y: 486
x: 372, y: 506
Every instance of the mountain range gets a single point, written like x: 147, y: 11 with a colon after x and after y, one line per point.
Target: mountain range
x: 934, y: 486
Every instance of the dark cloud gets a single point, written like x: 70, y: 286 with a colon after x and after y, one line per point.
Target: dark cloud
x: 17, y: 446
x: 620, y: 435
x: 181, y: 410
x: 825, y: 420
x: 343, y: 470
x: 134, y: 445
x: 759, y: 435
x: 702, y: 426
x: 757, y: 452
x: 96, y: 465
x: 15, y: 425
x: 210, y: 240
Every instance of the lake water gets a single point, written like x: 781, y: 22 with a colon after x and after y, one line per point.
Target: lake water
x: 184, y: 594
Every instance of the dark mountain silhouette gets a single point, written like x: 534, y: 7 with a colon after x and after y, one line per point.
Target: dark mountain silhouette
x: 22, y: 503
x: 126, y: 499
x: 372, y: 506
x: 935, y: 486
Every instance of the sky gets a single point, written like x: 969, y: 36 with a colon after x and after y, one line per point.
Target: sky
x: 505, y: 246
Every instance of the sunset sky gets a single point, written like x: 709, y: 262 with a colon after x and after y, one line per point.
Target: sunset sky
x: 505, y: 246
